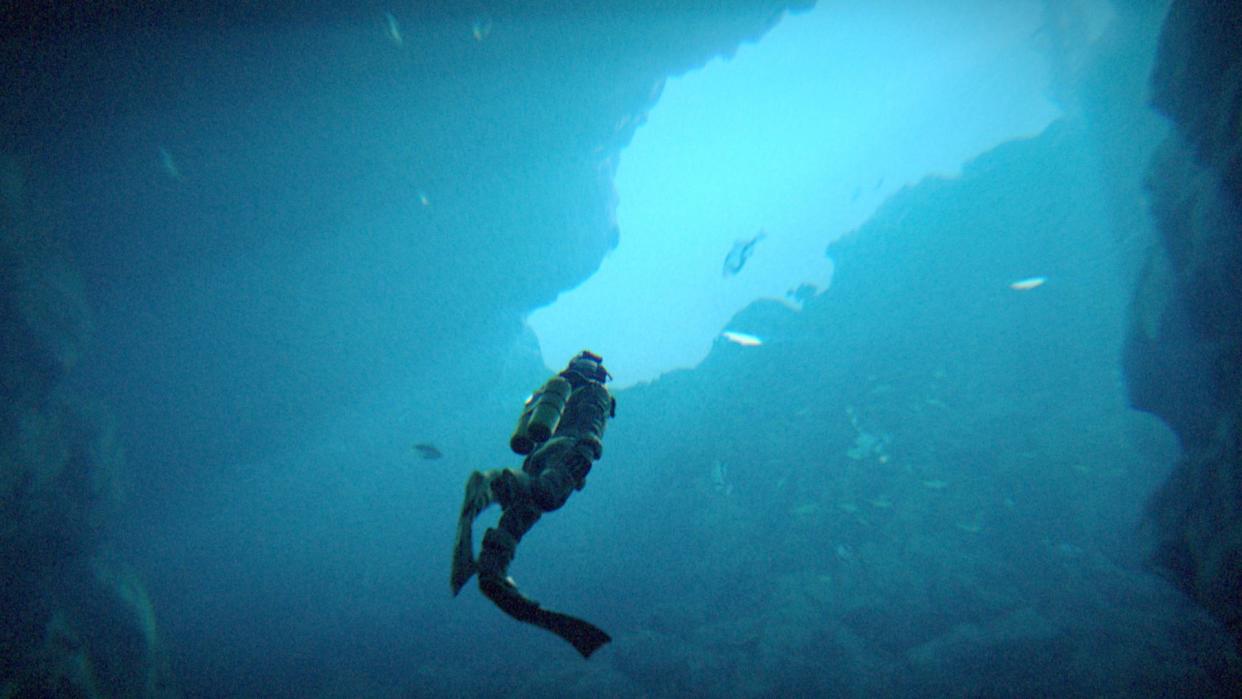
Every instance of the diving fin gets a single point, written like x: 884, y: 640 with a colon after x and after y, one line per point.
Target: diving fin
x: 478, y: 497
x: 464, y: 566
x: 582, y: 635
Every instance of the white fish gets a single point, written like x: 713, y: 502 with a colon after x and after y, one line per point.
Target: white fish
x: 393, y: 28
x: 971, y: 527
x: 169, y: 165
x: 423, y: 199
x: 743, y: 339
x: 480, y: 28
x: 1028, y: 283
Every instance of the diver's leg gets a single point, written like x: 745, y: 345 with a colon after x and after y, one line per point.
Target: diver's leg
x: 553, y: 486
x: 519, y: 493
x: 557, y: 470
x: 500, y: 544
x: 498, y: 548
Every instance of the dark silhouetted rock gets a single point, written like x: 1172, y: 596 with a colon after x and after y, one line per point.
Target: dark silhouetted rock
x: 1183, y: 354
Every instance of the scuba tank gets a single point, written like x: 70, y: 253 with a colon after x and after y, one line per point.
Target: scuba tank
x: 540, y: 416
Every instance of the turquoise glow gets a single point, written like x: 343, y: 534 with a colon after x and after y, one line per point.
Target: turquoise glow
x: 803, y: 136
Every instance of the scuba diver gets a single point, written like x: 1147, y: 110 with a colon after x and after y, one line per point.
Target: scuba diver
x: 560, y: 432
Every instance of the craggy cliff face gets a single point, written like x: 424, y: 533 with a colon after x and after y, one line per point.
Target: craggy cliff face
x: 1183, y: 357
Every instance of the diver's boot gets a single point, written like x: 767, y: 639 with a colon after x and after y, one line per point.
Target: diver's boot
x: 495, y: 555
x: 500, y: 542
x: 478, y: 496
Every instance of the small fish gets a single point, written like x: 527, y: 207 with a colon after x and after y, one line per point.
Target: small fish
x: 880, y: 503
x: 1028, y: 283
x: 741, y: 252
x: 1068, y: 550
x: 169, y: 165
x: 935, y: 484
x: 805, y: 509
x: 720, y: 478
x: 393, y: 29
x: 743, y: 339
x: 423, y: 199
x: 974, y: 526
x: 427, y: 450
x: 848, y: 508
x: 480, y: 28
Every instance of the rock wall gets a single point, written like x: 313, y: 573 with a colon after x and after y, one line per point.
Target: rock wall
x: 77, y: 621
x: 1183, y: 355
x: 939, y: 471
x: 304, y: 139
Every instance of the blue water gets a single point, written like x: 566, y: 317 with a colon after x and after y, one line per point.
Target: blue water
x: 925, y: 483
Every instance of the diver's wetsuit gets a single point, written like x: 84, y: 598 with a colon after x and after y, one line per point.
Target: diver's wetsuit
x: 548, y: 477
